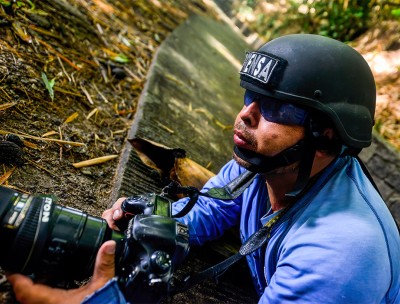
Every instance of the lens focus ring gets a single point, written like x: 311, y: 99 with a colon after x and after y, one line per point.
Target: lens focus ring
x: 24, y: 241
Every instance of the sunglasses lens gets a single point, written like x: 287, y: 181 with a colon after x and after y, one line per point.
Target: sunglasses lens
x: 249, y: 97
x: 277, y: 111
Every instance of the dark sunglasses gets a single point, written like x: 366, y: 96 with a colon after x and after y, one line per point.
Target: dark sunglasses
x: 277, y: 111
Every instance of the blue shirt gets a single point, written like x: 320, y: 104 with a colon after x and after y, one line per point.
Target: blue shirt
x: 337, y: 244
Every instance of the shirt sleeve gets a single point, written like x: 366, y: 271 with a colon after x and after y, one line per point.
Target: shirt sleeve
x: 210, y: 217
x: 108, y: 294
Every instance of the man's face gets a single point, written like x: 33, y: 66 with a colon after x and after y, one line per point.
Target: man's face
x: 253, y: 132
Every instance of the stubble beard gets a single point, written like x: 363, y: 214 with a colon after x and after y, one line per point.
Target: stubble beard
x: 250, y: 140
x: 290, y: 169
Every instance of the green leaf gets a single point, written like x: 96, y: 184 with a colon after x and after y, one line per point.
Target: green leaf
x: 395, y: 12
x: 31, y: 4
x: 5, y: 2
x: 49, y: 85
x: 20, y: 4
x: 121, y: 58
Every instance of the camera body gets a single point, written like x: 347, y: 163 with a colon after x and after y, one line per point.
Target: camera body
x: 58, y: 245
x: 155, y: 244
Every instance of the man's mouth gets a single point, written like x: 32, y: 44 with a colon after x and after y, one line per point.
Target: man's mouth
x: 241, y: 140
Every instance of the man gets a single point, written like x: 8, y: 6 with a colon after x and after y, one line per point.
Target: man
x: 308, y: 111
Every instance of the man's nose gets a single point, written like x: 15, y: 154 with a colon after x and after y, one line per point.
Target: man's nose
x: 251, y: 114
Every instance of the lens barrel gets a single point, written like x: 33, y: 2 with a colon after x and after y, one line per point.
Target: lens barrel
x: 55, y: 243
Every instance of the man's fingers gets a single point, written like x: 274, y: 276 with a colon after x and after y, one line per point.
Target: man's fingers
x: 117, y: 211
x: 114, y: 213
x: 20, y: 283
x: 117, y: 214
x: 28, y: 292
x: 104, y: 269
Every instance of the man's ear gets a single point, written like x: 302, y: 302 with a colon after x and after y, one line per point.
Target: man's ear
x: 329, y: 133
x: 324, y: 140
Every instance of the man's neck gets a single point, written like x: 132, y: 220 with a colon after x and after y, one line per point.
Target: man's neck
x: 283, y: 180
x: 278, y: 186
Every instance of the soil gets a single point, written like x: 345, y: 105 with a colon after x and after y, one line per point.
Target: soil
x: 97, y: 55
x: 381, y: 48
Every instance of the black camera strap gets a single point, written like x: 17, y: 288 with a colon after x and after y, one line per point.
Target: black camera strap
x: 233, y: 189
x: 257, y: 240
x: 230, y: 191
x: 174, y: 188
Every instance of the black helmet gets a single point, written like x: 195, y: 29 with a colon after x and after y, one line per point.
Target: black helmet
x: 319, y: 73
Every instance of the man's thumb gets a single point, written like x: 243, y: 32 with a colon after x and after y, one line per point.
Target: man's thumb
x: 104, y: 268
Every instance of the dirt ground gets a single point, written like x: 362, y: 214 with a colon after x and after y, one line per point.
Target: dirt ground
x: 380, y: 46
x: 95, y: 56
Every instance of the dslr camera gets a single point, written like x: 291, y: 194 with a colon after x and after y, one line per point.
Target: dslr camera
x: 58, y: 245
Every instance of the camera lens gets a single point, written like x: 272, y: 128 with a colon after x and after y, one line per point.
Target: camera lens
x: 55, y: 243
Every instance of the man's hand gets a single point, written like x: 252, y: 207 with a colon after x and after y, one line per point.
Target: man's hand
x: 114, y: 213
x: 27, y: 292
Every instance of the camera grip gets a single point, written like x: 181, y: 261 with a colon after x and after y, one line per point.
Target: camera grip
x: 134, y: 205
x: 123, y: 222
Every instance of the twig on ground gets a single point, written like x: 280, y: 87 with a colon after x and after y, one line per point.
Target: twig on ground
x: 94, y: 161
x: 65, y: 142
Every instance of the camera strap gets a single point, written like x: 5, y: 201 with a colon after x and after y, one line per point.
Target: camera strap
x: 233, y: 189
x: 230, y: 191
x: 257, y: 240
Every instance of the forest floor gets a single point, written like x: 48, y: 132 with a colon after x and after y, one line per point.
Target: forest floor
x: 380, y: 46
x: 71, y: 73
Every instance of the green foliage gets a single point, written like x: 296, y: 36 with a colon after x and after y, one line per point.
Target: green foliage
x: 121, y: 58
x: 5, y: 2
x: 341, y: 19
x: 49, y: 85
x: 344, y: 20
x: 395, y: 12
x: 251, y: 3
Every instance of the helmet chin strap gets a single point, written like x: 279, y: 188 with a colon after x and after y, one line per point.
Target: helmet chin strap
x: 263, y: 164
x: 303, y: 151
x: 305, y: 167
